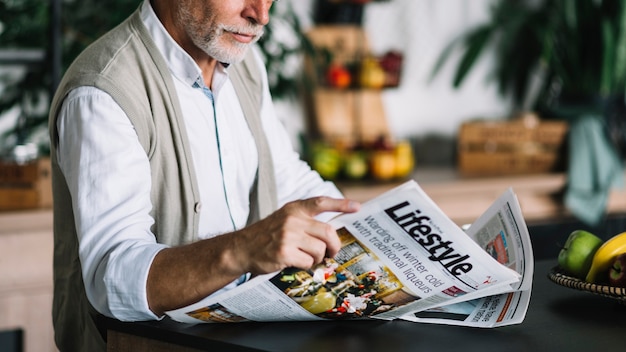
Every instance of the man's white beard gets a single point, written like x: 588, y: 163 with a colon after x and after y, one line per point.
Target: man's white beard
x: 231, y: 53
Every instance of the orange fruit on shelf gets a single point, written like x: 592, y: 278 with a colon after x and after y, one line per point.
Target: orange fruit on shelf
x: 383, y: 164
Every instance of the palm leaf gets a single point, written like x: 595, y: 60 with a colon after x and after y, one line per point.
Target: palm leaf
x: 579, y: 44
x: 608, y: 56
x: 445, y: 56
x: 476, y: 43
x: 620, y: 50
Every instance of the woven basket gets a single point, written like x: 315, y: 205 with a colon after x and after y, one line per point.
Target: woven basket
x: 617, y: 293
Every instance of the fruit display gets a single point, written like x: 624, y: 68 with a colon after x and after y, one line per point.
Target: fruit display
x: 587, y: 257
x: 369, y: 72
x: 380, y: 161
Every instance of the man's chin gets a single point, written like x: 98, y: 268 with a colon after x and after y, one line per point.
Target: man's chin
x: 232, y: 56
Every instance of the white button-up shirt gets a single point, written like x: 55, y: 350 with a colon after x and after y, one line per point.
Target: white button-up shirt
x: 108, y: 174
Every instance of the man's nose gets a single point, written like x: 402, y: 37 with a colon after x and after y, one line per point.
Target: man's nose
x: 257, y: 11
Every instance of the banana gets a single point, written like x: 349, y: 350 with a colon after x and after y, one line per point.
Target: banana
x: 605, y: 255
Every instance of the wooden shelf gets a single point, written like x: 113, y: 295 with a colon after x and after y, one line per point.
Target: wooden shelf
x: 22, y: 56
x: 465, y: 199
x: 349, y: 116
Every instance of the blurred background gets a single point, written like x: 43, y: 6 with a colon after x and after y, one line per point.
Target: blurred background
x: 37, y: 44
x: 468, y: 97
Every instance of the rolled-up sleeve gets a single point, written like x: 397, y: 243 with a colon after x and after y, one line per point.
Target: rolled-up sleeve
x: 108, y: 175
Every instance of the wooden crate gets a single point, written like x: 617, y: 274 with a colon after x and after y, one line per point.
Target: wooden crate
x: 525, y: 145
x: 25, y: 186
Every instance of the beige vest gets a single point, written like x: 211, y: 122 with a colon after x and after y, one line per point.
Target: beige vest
x: 126, y: 64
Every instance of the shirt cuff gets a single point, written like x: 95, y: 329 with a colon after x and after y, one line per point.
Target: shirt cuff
x: 126, y: 282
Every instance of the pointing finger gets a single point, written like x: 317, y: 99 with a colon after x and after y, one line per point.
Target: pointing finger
x: 316, y: 205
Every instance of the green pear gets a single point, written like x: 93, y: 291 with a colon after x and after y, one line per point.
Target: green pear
x: 355, y: 165
x: 577, y: 254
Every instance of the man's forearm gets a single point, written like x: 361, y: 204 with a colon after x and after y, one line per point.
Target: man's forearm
x: 289, y: 237
x: 183, y: 275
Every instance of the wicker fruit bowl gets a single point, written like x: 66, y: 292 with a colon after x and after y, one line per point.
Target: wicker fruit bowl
x: 557, y: 276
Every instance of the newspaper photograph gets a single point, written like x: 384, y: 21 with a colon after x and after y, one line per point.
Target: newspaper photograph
x: 400, y: 255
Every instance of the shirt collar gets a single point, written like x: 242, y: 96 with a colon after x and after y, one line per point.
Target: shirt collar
x: 179, y: 62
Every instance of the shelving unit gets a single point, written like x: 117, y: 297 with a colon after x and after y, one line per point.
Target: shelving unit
x: 352, y: 115
x: 348, y: 127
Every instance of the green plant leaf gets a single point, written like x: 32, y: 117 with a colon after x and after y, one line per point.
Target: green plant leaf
x: 445, y: 56
x: 620, y: 51
x: 25, y: 25
x: 580, y: 46
x: 570, y: 14
x: 608, y: 56
x: 476, y: 43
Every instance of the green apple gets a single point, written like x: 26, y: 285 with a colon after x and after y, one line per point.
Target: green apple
x: 326, y: 161
x: 576, y: 255
x: 355, y: 165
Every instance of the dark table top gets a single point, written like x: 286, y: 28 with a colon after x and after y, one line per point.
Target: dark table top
x: 558, y: 319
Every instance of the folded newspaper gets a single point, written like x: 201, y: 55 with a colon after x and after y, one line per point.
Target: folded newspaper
x: 401, y: 258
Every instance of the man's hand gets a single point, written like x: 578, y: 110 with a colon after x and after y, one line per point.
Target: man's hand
x: 291, y: 236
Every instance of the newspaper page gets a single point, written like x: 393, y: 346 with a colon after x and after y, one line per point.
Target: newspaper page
x: 502, y: 232
x: 400, y: 255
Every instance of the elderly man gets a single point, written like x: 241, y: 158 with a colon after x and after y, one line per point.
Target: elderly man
x: 172, y: 177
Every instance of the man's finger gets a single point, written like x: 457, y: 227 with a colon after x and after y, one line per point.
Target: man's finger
x: 327, y: 234
x: 316, y: 205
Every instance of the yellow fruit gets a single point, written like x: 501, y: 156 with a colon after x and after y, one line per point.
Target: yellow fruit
x: 404, y: 159
x: 605, y: 256
x: 372, y: 74
x: 320, y: 303
x: 383, y: 165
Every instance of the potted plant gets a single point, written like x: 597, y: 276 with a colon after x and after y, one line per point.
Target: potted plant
x: 23, y: 83
x: 558, y: 57
x: 281, y: 47
x: 564, y: 59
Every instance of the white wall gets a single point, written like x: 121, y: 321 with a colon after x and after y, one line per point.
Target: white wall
x: 421, y: 29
